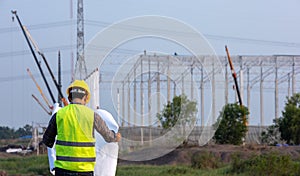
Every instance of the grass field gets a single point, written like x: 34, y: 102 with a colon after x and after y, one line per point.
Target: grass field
x: 29, y: 165
x: 38, y: 165
x: 270, y: 164
x: 166, y: 170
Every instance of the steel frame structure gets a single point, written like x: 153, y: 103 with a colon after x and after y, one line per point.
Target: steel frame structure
x: 152, y: 74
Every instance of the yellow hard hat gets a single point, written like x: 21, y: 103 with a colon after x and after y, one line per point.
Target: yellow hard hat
x: 81, y: 84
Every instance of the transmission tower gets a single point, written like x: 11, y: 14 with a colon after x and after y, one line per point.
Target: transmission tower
x: 80, y: 67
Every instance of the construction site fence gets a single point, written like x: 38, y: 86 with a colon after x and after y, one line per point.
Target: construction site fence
x: 139, y: 133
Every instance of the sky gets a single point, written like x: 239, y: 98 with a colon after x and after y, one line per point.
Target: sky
x: 254, y: 27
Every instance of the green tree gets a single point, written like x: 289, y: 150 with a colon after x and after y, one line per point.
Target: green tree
x: 10, y: 133
x: 6, y: 133
x: 289, y: 123
x: 180, y: 109
x: 26, y: 130
x: 230, y: 125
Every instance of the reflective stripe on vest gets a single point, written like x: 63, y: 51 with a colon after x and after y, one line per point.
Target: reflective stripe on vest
x: 66, y: 158
x: 75, y: 145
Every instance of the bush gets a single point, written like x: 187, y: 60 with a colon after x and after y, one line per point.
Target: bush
x: 205, y: 160
x: 289, y: 123
x: 231, y: 126
x: 267, y: 164
x: 271, y: 136
x: 180, y: 111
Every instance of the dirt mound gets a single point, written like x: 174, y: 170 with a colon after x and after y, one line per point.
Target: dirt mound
x: 182, y: 155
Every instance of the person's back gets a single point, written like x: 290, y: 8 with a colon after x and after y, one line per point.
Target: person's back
x: 75, y: 136
x: 74, y: 127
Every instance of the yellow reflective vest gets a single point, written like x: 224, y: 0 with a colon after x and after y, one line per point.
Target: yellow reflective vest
x: 75, y: 143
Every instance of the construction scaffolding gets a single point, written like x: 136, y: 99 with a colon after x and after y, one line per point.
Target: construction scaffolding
x: 154, y: 80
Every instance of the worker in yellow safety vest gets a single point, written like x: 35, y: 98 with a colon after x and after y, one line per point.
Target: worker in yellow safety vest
x: 73, y: 128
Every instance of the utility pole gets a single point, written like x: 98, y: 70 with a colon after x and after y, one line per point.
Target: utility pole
x: 80, y: 67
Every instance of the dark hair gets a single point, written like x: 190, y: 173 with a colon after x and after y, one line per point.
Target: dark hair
x: 76, y: 92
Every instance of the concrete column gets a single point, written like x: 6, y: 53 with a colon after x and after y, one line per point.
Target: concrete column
x: 169, y: 82
x: 118, y: 108
x: 149, y: 94
x: 276, y: 89
x: 248, y: 90
x: 158, y: 87
x: 134, y: 96
x: 289, y: 85
x: 142, y: 104
x: 261, y: 97
x: 149, y: 102
x: 128, y: 103
x: 241, y: 79
x: 202, y: 97
x: 293, y: 77
x: 182, y: 82
x: 213, y: 93
x: 226, y: 81
x: 123, y: 104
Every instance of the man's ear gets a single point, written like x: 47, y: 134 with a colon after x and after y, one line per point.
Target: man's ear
x: 85, y: 99
x: 69, y: 98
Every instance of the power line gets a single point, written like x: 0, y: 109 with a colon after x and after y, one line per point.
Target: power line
x: 256, y: 41
x: 25, y: 77
x: 143, y: 29
x: 26, y: 52
x: 39, y: 26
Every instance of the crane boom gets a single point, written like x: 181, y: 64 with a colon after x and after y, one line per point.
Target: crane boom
x: 50, y: 70
x: 47, y: 65
x: 39, y: 88
x: 236, y: 83
x: 34, y: 56
x: 234, y: 76
x: 38, y: 101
